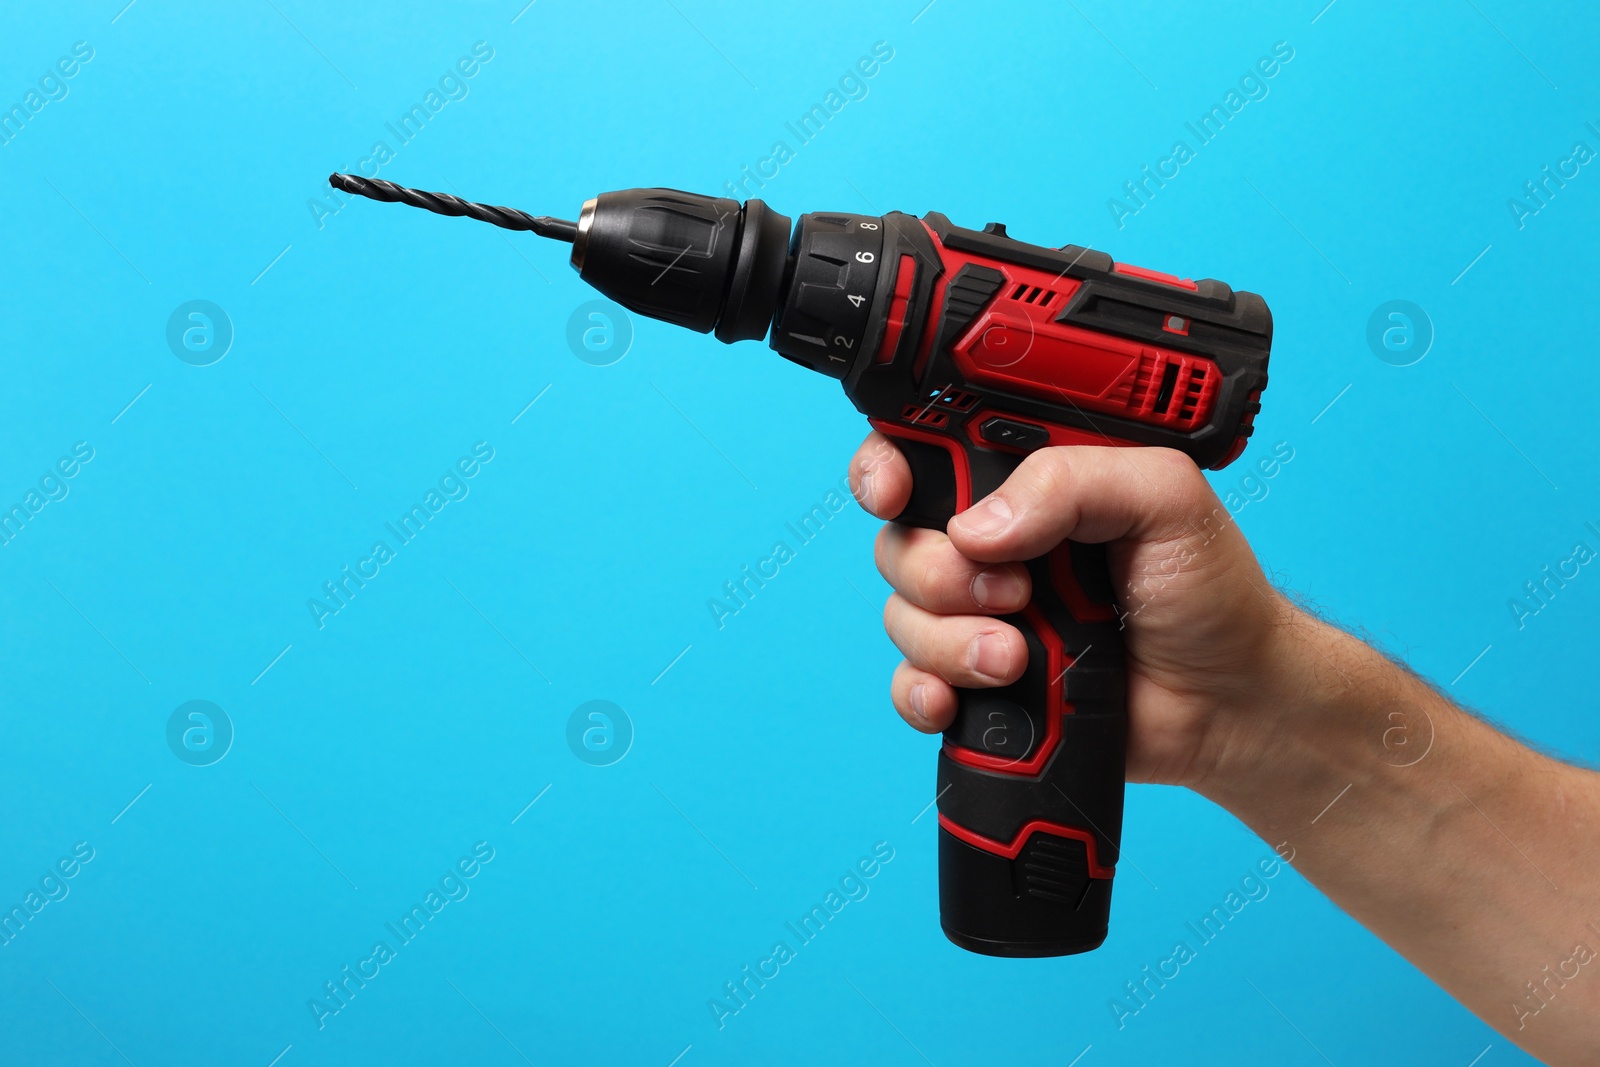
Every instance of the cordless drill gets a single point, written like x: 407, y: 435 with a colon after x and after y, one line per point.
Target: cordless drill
x: 969, y: 350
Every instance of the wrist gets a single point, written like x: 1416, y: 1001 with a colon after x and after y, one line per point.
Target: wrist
x: 1313, y: 719
x: 1454, y: 844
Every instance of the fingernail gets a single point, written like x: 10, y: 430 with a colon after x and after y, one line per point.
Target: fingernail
x: 996, y: 588
x: 919, y: 700
x: 986, y: 518
x: 988, y: 655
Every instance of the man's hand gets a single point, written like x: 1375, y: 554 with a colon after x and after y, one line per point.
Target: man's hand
x: 1201, y: 618
x: 1471, y: 855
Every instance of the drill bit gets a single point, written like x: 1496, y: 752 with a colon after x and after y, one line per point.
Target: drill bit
x: 445, y: 204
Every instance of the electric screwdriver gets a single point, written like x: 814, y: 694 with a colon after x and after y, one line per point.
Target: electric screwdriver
x: 968, y: 349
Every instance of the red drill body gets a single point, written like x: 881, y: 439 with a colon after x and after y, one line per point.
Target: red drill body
x: 974, y: 351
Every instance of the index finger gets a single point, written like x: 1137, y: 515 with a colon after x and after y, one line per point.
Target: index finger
x: 880, y: 477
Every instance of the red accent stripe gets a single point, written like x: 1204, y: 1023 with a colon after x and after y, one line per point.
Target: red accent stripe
x: 1037, y: 826
x: 1154, y: 276
x: 1234, y: 453
x: 903, y: 282
x: 1016, y: 348
x: 930, y: 328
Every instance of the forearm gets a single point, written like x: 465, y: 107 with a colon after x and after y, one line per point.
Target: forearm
x: 1474, y: 857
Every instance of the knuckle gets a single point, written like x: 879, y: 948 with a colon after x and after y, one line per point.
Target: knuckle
x: 1051, y: 472
x: 941, y: 646
x: 884, y: 549
x: 905, y: 628
x: 1187, y: 510
x: 891, y: 617
x: 918, y: 563
x: 1176, y: 472
x: 947, y: 580
x: 1187, y: 494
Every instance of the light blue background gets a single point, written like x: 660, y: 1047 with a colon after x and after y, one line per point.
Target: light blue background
x: 766, y: 760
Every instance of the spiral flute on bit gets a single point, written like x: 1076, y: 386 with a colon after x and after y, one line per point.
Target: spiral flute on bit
x: 445, y: 204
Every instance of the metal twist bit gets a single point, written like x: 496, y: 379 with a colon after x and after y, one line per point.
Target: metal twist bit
x: 445, y: 204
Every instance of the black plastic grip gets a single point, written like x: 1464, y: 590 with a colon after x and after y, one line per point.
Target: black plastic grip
x: 1031, y: 776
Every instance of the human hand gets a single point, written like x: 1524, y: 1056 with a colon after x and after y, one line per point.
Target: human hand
x: 1202, y: 624
x: 1276, y: 716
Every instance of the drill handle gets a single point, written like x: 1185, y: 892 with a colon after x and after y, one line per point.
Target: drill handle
x: 1031, y: 774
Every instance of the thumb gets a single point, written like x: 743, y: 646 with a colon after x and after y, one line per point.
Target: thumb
x: 1092, y: 495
